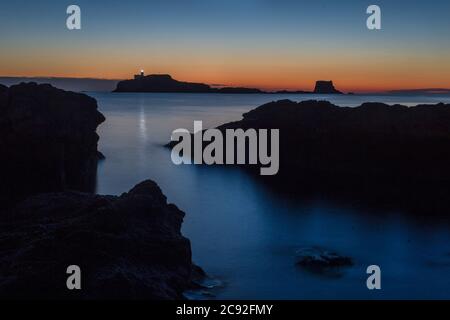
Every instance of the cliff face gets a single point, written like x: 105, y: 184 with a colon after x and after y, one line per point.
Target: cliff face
x: 128, y: 247
x: 325, y: 87
x: 48, y: 140
x: 160, y: 83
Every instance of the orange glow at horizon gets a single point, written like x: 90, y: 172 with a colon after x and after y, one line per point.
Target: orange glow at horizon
x: 357, y: 72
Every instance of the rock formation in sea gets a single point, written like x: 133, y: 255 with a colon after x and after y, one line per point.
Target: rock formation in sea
x: 326, y: 87
x: 164, y: 83
x: 322, y: 261
x: 374, y: 154
x: 128, y: 246
x: 48, y: 140
x: 160, y: 83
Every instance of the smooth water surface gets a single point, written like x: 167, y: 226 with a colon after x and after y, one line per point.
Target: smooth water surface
x: 247, y: 236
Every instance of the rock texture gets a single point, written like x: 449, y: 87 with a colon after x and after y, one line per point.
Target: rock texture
x: 128, y: 247
x: 48, y: 140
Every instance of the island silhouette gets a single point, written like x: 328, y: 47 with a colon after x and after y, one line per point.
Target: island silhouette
x: 164, y: 83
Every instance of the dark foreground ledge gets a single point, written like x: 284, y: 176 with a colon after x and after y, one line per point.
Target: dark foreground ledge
x: 48, y: 140
x: 128, y: 247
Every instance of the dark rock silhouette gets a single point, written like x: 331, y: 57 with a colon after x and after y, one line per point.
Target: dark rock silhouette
x: 160, y: 83
x: 237, y: 90
x: 372, y: 155
x: 164, y: 83
x: 292, y: 92
x: 48, y: 141
x: 128, y: 247
x: 325, y: 87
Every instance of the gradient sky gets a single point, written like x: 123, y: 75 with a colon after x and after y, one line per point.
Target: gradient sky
x: 270, y: 44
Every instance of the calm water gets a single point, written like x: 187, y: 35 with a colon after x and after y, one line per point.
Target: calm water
x: 245, y: 235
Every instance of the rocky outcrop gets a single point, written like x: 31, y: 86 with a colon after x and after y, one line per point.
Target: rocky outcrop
x: 48, y: 140
x: 326, y: 87
x: 164, y: 83
x: 128, y: 247
x: 376, y: 154
x: 160, y: 83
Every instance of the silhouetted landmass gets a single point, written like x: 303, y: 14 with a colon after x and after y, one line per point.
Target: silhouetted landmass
x: 237, y: 90
x: 71, y: 84
x: 128, y: 247
x: 165, y: 83
x: 48, y: 140
x: 325, y: 87
x: 160, y: 83
x: 372, y: 155
x: 292, y: 92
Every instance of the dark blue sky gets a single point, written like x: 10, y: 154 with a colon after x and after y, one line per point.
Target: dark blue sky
x: 249, y: 42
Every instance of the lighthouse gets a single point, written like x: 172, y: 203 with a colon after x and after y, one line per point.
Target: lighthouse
x: 139, y: 76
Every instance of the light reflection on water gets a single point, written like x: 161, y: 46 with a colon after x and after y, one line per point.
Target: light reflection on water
x: 244, y: 234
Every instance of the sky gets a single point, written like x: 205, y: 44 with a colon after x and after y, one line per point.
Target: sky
x: 268, y: 44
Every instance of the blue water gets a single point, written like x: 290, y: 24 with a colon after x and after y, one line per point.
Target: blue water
x: 245, y: 235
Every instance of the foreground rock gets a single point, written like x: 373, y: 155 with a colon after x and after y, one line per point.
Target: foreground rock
x: 374, y: 154
x: 128, y: 247
x: 48, y: 140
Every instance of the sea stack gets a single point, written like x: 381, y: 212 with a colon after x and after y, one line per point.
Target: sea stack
x: 326, y: 87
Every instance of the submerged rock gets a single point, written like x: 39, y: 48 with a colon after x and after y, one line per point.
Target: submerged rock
x: 317, y: 257
x: 48, y: 141
x: 322, y: 261
x: 128, y: 247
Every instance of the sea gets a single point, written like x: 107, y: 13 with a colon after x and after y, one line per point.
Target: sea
x: 244, y: 235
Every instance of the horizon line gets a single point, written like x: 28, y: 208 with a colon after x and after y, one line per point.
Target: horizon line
x: 406, y: 89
